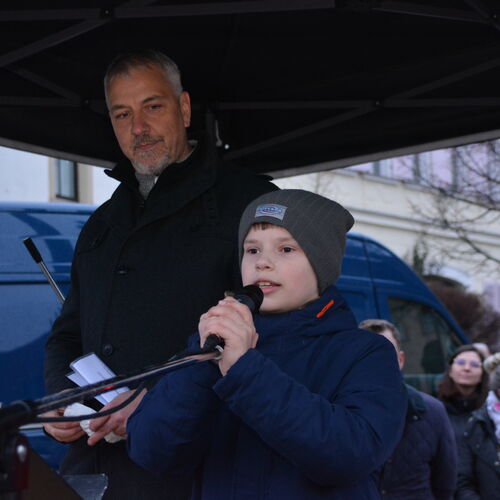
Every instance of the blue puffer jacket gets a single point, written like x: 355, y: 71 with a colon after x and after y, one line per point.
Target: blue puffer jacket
x: 312, y: 412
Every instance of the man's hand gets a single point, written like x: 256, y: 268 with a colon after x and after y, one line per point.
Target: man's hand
x: 65, y: 432
x: 233, y: 322
x: 116, y: 422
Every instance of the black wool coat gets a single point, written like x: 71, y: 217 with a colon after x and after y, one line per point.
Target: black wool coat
x: 479, y: 460
x: 143, y: 272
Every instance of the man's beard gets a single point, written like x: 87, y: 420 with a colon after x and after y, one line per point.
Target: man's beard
x: 154, y: 162
x: 155, y: 168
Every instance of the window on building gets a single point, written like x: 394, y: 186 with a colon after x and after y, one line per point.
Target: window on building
x: 66, y: 179
x: 422, y: 167
x: 383, y: 168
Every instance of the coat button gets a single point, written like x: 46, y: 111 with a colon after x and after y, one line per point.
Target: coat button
x: 122, y: 270
x: 107, y: 349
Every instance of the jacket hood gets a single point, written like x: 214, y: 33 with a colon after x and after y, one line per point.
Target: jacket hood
x: 328, y: 314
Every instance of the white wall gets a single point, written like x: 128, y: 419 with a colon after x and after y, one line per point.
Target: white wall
x: 102, y: 185
x: 98, y: 186
x: 26, y: 177
x: 23, y: 176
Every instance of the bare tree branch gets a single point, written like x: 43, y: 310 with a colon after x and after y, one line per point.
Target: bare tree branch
x: 465, y: 201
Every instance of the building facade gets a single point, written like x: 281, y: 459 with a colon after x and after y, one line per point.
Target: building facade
x: 417, y: 205
x: 393, y: 201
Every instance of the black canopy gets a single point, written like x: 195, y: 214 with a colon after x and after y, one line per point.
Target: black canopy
x: 282, y: 84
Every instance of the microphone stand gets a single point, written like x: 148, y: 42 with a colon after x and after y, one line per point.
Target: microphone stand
x: 14, y: 446
x: 35, y: 255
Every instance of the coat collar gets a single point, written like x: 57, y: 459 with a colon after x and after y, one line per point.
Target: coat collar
x: 178, y: 185
x: 483, y: 419
x: 328, y: 314
x: 416, y: 405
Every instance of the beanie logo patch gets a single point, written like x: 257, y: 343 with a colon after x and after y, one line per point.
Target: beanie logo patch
x: 271, y: 210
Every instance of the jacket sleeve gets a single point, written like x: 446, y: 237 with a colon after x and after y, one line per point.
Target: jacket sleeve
x: 171, y: 428
x: 444, y: 462
x: 467, y: 485
x: 335, y: 441
x: 64, y: 343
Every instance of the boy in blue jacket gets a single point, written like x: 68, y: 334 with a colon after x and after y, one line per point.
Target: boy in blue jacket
x: 302, y: 404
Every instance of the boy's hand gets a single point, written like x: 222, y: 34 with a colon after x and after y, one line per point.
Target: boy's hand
x: 233, y: 322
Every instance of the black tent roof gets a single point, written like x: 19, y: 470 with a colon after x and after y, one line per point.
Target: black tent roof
x: 283, y: 83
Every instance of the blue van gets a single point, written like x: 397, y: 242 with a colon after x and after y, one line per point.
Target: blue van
x: 375, y: 282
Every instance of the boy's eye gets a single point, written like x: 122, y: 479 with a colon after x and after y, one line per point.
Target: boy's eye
x: 251, y: 250
x: 287, y: 249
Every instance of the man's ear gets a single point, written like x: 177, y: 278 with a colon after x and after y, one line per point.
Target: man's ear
x: 401, y: 359
x: 185, y: 105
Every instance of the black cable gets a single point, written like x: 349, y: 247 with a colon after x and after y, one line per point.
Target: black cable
x: 104, y: 413
x: 207, y: 348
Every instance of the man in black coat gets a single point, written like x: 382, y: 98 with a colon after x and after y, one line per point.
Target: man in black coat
x: 149, y: 261
x: 424, y: 464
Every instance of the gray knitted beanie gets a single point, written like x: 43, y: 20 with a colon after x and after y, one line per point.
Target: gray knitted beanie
x: 318, y: 224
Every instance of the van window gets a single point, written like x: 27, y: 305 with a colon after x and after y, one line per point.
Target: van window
x: 427, y: 340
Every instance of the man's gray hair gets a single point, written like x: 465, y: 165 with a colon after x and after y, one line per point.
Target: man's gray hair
x: 123, y: 63
x: 379, y: 325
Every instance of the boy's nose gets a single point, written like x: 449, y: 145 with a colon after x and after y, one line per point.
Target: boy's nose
x: 263, y: 263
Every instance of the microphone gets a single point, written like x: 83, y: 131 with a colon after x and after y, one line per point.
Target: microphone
x: 252, y: 297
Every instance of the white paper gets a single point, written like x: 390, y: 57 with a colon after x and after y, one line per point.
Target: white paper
x: 80, y: 381
x: 79, y: 409
x: 77, y: 379
x: 89, y: 369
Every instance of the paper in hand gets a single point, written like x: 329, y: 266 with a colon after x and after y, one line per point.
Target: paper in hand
x: 89, y: 369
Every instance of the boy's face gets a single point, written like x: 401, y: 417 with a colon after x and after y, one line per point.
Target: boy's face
x: 275, y: 262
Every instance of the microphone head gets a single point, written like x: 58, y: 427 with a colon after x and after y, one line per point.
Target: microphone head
x: 251, y: 296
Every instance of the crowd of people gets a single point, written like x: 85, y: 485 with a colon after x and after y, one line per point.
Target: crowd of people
x: 303, y: 403
x: 450, y: 447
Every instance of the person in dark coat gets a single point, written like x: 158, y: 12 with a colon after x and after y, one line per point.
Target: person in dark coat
x: 479, y: 452
x: 424, y: 463
x: 463, y: 387
x: 149, y: 261
x: 302, y: 404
